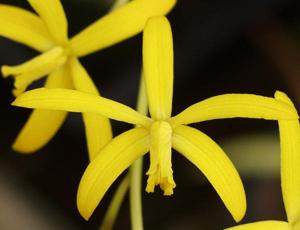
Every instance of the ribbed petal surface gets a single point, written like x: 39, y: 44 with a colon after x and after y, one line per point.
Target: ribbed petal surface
x: 42, y: 125
x: 118, y: 25
x: 76, y: 101
x: 97, y: 128
x: 158, y: 67
x: 115, y: 157
x: 211, y: 160
x: 53, y: 15
x: 235, y: 105
x: 290, y: 163
x: 24, y: 27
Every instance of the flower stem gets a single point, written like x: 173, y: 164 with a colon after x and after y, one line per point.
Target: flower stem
x: 115, y: 204
x: 136, y: 170
x: 133, y: 178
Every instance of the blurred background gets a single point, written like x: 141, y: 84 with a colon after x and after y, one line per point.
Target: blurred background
x: 220, y: 47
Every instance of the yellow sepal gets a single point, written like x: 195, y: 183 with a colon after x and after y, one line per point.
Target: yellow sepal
x: 97, y: 128
x: 235, y: 105
x: 53, y: 16
x: 114, y: 158
x: 24, y: 27
x: 158, y: 67
x: 76, y: 101
x: 290, y: 163
x: 42, y: 125
x: 118, y: 25
x: 211, y: 160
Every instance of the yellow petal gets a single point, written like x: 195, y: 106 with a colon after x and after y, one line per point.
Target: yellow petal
x: 97, y: 128
x: 42, y: 125
x: 34, y: 69
x: 81, y: 79
x: 206, y: 155
x: 263, y: 225
x: 158, y: 67
x: 114, y: 158
x: 53, y: 15
x: 24, y: 27
x: 120, y: 24
x: 160, y: 171
x: 97, y: 131
x: 235, y: 105
x: 290, y: 163
x: 76, y: 101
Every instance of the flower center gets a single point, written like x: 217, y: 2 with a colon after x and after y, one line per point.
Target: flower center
x: 160, y: 171
x: 36, y: 68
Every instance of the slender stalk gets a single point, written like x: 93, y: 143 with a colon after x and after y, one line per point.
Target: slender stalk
x: 117, y: 200
x: 115, y: 204
x: 132, y: 179
x: 136, y: 169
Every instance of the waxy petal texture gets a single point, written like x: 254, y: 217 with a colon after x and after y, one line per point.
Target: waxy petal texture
x: 24, y: 27
x: 263, y: 225
x: 235, y: 105
x: 118, y: 25
x: 290, y: 163
x: 158, y: 67
x: 75, y: 101
x: 97, y: 128
x: 208, y: 157
x: 42, y: 125
x: 53, y: 15
x: 115, y: 157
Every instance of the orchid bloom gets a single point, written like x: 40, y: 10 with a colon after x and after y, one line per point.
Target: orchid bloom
x: 290, y: 176
x: 47, y: 32
x: 160, y: 132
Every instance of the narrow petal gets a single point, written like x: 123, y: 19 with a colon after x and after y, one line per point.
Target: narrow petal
x: 34, y: 69
x: 24, y: 27
x: 158, y: 67
x: 53, y: 15
x: 236, y: 105
x: 42, y: 125
x: 208, y: 157
x: 118, y: 25
x: 290, y: 163
x: 76, y: 101
x: 115, y: 157
x: 97, y: 128
x: 263, y: 225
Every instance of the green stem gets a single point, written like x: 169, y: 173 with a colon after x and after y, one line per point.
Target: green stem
x: 115, y: 204
x: 136, y: 170
x: 133, y: 178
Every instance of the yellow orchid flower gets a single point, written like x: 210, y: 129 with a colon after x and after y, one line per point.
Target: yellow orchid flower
x: 290, y: 175
x: 48, y: 33
x: 160, y: 132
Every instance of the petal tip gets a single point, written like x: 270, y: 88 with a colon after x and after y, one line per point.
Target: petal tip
x: 281, y: 96
x: 82, y: 208
x: 239, y: 214
x: 5, y: 70
x: 19, y: 148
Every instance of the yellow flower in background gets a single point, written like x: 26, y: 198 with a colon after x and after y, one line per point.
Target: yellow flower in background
x: 290, y: 175
x: 48, y: 33
x: 160, y: 132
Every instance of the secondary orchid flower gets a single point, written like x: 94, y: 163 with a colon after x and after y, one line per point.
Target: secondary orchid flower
x: 160, y: 132
x: 290, y: 176
x: 48, y: 33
